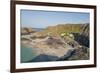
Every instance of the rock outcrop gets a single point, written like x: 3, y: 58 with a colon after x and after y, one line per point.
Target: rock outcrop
x: 85, y: 30
x: 83, y: 37
x: 50, y: 49
x: 26, y: 30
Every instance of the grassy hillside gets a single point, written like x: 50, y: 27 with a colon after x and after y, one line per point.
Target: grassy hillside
x: 58, y: 29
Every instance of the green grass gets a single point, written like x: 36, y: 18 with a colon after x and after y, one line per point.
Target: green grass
x: 58, y: 29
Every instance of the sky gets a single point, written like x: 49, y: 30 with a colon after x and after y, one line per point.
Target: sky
x: 43, y: 19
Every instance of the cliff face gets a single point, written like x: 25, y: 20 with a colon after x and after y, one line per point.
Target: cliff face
x: 85, y: 30
x: 83, y: 37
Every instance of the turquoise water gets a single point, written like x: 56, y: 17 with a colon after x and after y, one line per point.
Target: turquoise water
x: 27, y: 53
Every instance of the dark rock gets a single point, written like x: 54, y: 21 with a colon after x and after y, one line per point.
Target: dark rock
x: 83, y: 37
x: 43, y: 58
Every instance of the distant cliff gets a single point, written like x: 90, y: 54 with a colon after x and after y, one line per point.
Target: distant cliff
x: 26, y: 30
x: 60, y: 28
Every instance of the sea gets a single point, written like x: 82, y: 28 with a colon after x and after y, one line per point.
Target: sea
x: 27, y: 53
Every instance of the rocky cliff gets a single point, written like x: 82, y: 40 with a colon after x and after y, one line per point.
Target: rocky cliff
x: 83, y: 37
x: 53, y: 47
x: 26, y: 30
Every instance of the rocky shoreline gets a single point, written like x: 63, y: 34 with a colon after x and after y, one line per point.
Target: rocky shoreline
x: 51, y: 49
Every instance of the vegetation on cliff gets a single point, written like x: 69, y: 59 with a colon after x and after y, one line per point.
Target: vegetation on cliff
x: 58, y: 29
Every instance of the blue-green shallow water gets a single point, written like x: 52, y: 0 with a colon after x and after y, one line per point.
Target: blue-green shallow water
x: 27, y: 53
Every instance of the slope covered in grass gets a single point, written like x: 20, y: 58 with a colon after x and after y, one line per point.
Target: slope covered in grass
x: 58, y: 29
